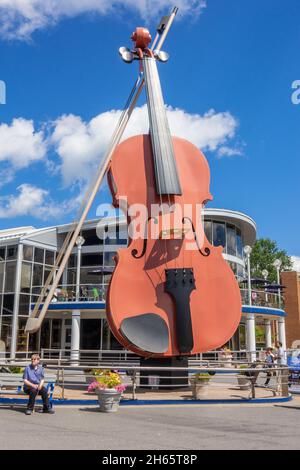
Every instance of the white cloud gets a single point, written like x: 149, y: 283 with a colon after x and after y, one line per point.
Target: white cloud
x: 80, y: 145
x: 35, y: 202
x: 229, y: 152
x: 20, y: 18
x: 20, y: 144
x: 296, y: 263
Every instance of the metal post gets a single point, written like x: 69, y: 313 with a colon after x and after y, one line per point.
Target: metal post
x: 79, y: 242
x: 75, y: 337
x: 13, y: 346
x: 268, y: 333
x: 250, y: 319
x: 133, y: 384
x: 265, y: 274
x: 277, y: 263
x: 249, y: 280
x: 281, y: 333
x: 279, y: 291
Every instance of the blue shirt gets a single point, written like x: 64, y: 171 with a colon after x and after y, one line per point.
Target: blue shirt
x: 33, y: 374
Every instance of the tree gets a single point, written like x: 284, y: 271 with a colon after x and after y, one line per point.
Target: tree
x: 264, y: 253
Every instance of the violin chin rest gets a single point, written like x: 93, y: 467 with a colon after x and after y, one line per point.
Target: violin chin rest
x: 149, y: 332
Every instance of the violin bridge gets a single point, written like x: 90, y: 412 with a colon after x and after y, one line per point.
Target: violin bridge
x: 173, y: 233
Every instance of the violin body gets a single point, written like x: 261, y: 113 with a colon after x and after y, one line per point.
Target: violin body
x: 166, y: 299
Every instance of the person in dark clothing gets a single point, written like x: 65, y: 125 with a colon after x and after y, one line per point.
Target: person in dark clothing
x: 269, y: 359
x: 34, y: 385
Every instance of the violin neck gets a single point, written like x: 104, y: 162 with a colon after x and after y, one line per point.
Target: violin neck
x: 166, y: 175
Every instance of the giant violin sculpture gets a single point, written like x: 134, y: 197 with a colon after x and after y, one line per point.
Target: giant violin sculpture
x: 172, y: 293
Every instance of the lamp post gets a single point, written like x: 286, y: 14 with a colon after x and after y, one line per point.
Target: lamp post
x: 79, y: 242
x: 268, y: 329
x: 75, y: 338
x: 277, y: 264
x: 265, y: 274
x: 250, y: 320
x: 247, y: 251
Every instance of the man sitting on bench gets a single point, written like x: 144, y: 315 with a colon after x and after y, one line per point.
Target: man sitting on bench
x: 34, y: 385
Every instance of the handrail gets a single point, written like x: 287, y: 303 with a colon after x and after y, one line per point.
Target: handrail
x: 70, y: 376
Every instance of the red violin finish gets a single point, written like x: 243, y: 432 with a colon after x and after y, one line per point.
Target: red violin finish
x: 138, y: 285
x: 171, y: 294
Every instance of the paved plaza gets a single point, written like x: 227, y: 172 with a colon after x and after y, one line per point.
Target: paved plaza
x: 155, y: 427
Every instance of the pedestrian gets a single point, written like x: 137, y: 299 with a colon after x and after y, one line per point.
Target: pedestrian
x: 280, y: 354
x: 269, y: 359
x: 34, y: 385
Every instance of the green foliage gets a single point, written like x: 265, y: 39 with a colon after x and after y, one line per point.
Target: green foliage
x: 201, y: 377
x: 243, y: 366
x: 263, y: 255
x: 16, y: 370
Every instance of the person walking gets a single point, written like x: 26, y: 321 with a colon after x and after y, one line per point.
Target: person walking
x: 269, y: 359
x: 280, y: 354
x: 34, y: 385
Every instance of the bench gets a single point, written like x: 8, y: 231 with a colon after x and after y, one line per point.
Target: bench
x: 12, y: 384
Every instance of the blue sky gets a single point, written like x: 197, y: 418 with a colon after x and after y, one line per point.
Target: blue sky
x: 228, y: 85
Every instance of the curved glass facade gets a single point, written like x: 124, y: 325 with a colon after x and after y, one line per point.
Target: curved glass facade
x: 229, y: 236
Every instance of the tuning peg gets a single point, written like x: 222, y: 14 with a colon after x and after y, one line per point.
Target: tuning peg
x: 126, y: 54
x: 161, y: 55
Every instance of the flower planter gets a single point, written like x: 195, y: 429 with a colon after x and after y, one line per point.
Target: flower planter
x: 243, y: 383
x: 200, y: 389
x: 226, y: 360
x: 109, y: 400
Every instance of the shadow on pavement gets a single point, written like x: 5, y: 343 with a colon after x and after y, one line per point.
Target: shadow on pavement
x: 288, y: 406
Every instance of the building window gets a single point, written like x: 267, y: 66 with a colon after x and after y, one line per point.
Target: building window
x: 208, y: 230
x: 47, y: 271
x: 2, y: 266
x: 88, y: 277
x: 8, y: 304
x: 27, y: 253
x: 24, y: 305
x: 233, y: 266
x: 10, y: 276
x: 22, y: 336
x: 49, y: 257
x: 6, y: 329
x: 26, y: 277
x: 219, y: 235
x: 92, y: 259
x: 115, y: 236
x: 231, y: 240
x: 38, y: 255
x: 37, y: 275
x: 12, y: 252
x: 239, y: 243
x: 2, y: 254
x: 108, y: 258
x: 91, y: 238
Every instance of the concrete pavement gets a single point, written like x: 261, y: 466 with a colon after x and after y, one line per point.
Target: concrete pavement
x: 155, y: 427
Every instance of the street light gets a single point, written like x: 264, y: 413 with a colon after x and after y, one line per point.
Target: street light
x: 247, y: 251
x: 265, y: 274
x: 79, y: 242
x: 277, y: 264
x: 250, y: 320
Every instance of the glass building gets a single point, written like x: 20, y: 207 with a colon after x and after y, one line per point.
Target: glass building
x: 76, y: 318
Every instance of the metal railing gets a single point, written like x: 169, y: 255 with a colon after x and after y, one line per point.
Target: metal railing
x: 87, y: 293
x: 219, y: 358
x: 97, y: 292
x: 261, y: 298
x: 165, y: 381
